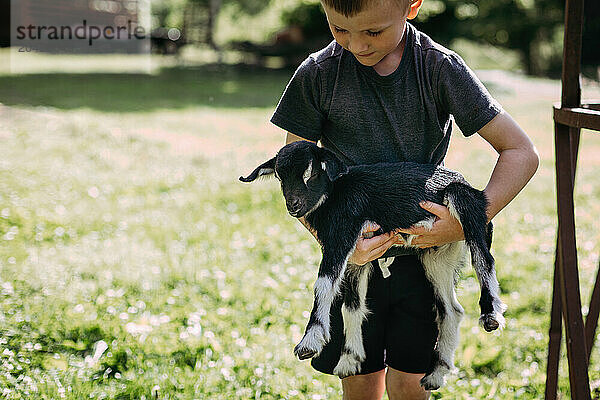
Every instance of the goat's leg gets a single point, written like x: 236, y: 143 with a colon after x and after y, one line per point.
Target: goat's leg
x: 354, y: 312
x: 469, y: 205
x: 327, y: 286
x: 492, y: 307
x: 441, y: 268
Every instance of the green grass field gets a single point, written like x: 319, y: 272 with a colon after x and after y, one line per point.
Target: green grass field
x: 134, y: 265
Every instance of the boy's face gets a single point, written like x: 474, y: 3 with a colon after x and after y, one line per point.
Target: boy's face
x: 371, y: 34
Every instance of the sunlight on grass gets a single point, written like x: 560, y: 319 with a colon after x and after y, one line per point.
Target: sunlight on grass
x: 133, y: 264
x: 34, y: 62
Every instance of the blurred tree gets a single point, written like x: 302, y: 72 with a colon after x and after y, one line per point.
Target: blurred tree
x: 310, y: 18
x: 167, y: 13
x: 590, y: 52
x: 200, y: 17
x: 197, y: 18
x: 304, y: 30
x: 531, y: 27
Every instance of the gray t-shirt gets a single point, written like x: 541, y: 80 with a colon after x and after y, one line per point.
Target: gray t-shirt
x: 366, y: 118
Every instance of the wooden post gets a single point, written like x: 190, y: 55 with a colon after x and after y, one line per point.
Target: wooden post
x: 566, y: 297
x: 567, y: 265
x: 555, y: 334
x: 555, y: 331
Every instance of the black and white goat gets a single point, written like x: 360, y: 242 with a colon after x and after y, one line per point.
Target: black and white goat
x: 338, y: 201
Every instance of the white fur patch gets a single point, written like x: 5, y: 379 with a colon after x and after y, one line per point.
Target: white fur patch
x: 353, y: 319
x: 384, y: 264
x: 441, y: 267
x: 349, y: 363
x: 449, y: 202
x: 265, y: 171
x: 325, y: 292
x: 319, y: 204
x: 426, y: 223
x: 346, y: 366
x: 308, y: 173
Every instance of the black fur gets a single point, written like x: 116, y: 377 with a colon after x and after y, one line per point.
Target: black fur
x: 337, y: 200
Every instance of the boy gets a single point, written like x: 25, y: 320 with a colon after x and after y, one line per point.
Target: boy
x: 385, y: 92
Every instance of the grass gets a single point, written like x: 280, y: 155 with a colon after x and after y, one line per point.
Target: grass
x: 133, y: 265
x: 172, y: 88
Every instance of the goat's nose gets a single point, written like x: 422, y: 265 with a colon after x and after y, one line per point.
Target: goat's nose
x: 293, y: 205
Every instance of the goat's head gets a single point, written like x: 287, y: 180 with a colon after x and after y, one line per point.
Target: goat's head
x: 306, y: 173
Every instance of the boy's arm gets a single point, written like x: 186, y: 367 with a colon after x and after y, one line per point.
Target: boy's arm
x: 517, y: 162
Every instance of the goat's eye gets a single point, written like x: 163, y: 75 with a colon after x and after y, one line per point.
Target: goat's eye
x: 312, y: 178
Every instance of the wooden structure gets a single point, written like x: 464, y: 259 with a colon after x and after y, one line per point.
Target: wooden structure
x: 43, y: 15
x: 569, y: 118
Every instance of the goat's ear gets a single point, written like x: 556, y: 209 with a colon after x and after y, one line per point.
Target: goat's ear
x: 332, y: 165
x: 266, y: 168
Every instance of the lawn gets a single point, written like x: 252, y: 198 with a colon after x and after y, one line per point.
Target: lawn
x: 134, y: 265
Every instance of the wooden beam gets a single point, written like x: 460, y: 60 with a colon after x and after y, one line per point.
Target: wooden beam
x: 555, y: 331
x: 554, y: 334
x: 571, y: 90
x: 569, y: 274
x: 578, y: 117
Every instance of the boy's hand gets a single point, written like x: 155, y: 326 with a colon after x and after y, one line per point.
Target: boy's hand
x: 446, y: 228
x: 370, y: 249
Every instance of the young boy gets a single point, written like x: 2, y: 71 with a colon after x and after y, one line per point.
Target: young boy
x: 385, y: 92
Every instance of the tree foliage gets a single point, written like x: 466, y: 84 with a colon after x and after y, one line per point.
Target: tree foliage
x: 310, y: 17
x: 251, y: 7
x: 197, y: 18
x: 533, y: 28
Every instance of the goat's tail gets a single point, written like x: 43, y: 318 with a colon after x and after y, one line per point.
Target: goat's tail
x: 469, y: 206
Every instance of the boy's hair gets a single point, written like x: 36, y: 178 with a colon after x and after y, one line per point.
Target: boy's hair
x: 349, y: 8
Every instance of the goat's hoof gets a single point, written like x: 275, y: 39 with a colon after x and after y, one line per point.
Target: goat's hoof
x: 312, y: 343
x: 348, y: 365
x: 436, y: 378
x: 431, y: 382
x: 489, y: 322
x: 304, y: 353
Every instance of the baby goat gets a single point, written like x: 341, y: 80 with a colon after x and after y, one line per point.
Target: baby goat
x: 338, y: 201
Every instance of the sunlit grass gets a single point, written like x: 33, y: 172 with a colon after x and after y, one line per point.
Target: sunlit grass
x: 134, y: 265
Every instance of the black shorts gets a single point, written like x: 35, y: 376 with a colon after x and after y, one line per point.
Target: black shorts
x: 400, y: 330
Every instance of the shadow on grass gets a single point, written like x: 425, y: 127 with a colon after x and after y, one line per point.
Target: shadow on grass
x: 172, y: 88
